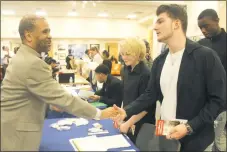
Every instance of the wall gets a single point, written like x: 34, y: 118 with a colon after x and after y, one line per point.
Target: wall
x: 77, y: 31
x: 79, y: 28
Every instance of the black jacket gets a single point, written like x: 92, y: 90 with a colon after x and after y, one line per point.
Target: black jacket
x: 111, y: 92
x: 201, y: 93
x: 135, y: 83
x: 218, y: 44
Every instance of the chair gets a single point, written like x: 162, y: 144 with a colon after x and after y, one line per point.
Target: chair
x: 147, y: 140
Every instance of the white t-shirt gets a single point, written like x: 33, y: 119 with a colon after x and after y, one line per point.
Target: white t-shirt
x: 168, y: 83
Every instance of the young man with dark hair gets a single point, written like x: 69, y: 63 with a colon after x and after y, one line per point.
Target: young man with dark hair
x: 111, y: 92
x: 215, y: 38
x: 188, y: 79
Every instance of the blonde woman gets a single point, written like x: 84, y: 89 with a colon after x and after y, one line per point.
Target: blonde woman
x: 135, y: 77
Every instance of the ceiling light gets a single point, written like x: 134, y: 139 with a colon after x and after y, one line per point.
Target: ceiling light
x: 102, y: 14
x: 94, y: 4
x: 8, y: 12
x: 40, y: 13
x: 131, y: 16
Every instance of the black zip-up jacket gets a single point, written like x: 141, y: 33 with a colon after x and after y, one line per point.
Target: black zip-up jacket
x: 218, y: 44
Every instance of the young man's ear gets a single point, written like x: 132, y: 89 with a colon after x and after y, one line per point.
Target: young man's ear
x: 177, y: 24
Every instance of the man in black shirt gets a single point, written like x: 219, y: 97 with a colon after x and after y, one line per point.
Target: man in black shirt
x: 199, y: 83
x: 111, y: 92
x: 215, y: 38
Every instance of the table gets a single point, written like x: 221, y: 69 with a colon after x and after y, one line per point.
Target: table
x: 51, y: 114
x: 54, y: 140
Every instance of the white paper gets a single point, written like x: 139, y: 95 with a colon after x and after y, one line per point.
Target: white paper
x: 89, y: 143
x: 129, y: 150
x: 85, y: 94
x: 115, y: 141
x: 97, y: 133
x: 80, y: 122
x: 70, y: 90
x: 83, y: 87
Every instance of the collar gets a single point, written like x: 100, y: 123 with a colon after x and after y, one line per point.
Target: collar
x: 30, y: 50
x: 218, y: 37
x: 189, y: 47
x: 137, y: 68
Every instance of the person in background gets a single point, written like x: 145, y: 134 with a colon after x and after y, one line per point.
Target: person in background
x: 86, y: 56
x: 135, y: 79
x: 215, y: 38
x: 148, y: 60
x: 113, y: 59
x: 111, y: 92
x: 95, y: 57
x: 70, y: 62
x: 28, y: 87
x: 105, y: 55
x: 106, y: 59
x: 16, y: 49
x: 188, y: 79
x: 108, y: 63
x: 121, y: 60
x: 5, y: 56
x: 53, y: 65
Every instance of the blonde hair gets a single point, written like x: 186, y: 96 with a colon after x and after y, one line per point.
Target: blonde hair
x: 134, y: 47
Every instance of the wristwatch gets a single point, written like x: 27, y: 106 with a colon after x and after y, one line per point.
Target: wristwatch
x: 189, y: 129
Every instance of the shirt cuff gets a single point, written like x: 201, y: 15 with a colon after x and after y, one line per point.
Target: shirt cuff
x: 98, y: 114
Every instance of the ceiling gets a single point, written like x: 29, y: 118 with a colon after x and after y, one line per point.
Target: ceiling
x: 115, y: 9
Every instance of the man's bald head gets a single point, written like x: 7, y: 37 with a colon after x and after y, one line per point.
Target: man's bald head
x: 27, y: 23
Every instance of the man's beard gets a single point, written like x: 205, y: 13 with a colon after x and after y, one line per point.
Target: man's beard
x: 42, y: 46
x: 166, y: 37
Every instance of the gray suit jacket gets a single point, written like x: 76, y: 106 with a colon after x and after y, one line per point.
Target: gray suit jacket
x: 27, y: 87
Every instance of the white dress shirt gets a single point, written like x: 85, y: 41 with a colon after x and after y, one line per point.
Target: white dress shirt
x: 98, y: 59
x: 168, y: 83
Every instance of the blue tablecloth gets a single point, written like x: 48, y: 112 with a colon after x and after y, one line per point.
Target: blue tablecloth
x: 51, y: 114
x: 54, y: 140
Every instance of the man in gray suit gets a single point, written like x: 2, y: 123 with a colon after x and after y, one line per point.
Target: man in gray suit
x: 27, y: 87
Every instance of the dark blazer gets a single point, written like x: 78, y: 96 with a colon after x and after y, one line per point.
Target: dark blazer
x: 201, y: 93
x: 111, y: 92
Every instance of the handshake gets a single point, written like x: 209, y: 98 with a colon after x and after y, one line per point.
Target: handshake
x: 115, y: 113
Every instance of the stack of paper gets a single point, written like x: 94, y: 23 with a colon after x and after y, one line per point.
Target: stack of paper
x: 99, y: 143
x: 80, y: 80
x: 115, y: 141
x: 89, y: 143
x: 70, y: 90
x: 85, y: 94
